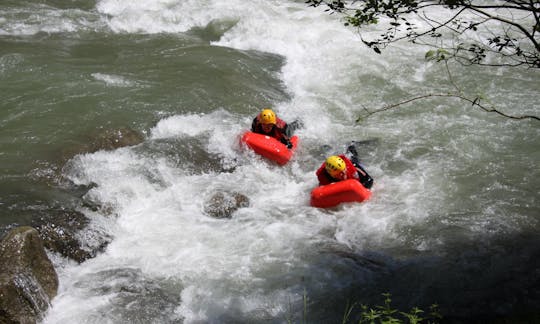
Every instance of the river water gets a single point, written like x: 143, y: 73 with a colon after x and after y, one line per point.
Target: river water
x: 454, y: 217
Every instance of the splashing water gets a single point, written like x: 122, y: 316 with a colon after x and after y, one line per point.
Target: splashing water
x: 455, y: 200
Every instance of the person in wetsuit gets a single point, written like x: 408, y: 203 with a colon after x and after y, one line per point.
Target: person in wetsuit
x: 339, y: 167
x: 267, y: 123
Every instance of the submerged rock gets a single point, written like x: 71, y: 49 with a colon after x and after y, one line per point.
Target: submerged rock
x: 115, y: 138
x: 133, y: 296
x: 108, y: 140
x: 28, y: 280
x: 223, y: 204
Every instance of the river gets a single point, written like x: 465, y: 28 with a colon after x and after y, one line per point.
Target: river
x: 455, y: 214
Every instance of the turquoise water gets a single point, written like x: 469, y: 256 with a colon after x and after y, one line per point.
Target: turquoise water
x: 454, y: 217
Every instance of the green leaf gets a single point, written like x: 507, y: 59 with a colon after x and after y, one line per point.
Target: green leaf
x: 429, y: 55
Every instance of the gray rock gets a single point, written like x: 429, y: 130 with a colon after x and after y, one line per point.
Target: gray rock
x: 133, y: 297
x: 116, y: 138
x: 106, y: 140
x: 28, y: 280
x: 59, y: 228
x: 224, y: 204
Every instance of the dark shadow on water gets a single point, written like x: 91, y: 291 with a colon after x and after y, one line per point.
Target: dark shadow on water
x: 493, y: 281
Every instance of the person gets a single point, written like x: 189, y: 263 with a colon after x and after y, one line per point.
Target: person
x: 267, y: 123
x: 339, y: 167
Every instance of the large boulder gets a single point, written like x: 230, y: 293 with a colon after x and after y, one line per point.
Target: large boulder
x: 28, y: 280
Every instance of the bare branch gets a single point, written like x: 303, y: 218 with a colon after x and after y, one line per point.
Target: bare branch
x: 474, y: 102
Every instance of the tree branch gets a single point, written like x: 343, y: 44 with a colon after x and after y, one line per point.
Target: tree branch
x: 508, y: 22
x: 516, y: 45
x: 474, y: 102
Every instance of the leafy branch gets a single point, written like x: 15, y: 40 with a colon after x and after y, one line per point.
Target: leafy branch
x: 514, y: 39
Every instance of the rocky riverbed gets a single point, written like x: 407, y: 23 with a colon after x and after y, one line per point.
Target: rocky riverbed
x: 28, y: 280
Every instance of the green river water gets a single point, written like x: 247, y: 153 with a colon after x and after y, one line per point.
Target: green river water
x: 455, y: 213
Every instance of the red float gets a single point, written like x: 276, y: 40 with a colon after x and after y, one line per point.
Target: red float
x: 339, y: 192
x: 270, y: 147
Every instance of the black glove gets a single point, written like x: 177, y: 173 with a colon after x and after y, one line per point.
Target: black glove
x: 351, y: 148
x: 287, y: 143
x: 367, y: 182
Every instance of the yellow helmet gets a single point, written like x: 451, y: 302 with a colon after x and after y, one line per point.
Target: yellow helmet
x: 334, y: 165
x: 267, y: 116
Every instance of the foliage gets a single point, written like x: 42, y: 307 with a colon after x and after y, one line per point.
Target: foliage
x: 385, y: 314
x: 466, y: 34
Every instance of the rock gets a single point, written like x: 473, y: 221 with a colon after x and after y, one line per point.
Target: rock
x: 108, y: 140
x: 58, y: 230
x: 188, y: 153
x: 28, y: 280
x: 133, y: 296
x: 115, y: 138
x: 222, y: 205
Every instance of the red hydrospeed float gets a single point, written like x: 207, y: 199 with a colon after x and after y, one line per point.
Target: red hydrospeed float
x: 333, y: 194
x: 270, y: 147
